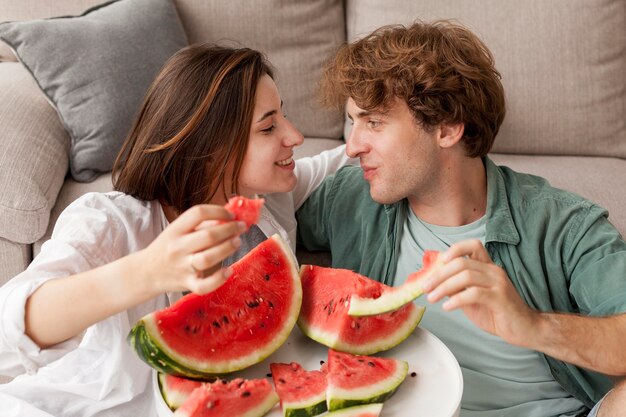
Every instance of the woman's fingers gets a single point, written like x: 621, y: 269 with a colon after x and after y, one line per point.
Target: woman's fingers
x: 208, y: 258
x: 209, y: 235
x: 193, y: 217
x: 211, y: 282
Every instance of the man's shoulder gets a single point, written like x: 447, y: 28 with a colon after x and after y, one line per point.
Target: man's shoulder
x: 528, y: 190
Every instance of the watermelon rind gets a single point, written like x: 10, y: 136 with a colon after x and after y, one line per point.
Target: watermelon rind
x: 147, y: 342
x: 338, y: 398
x: 368, y: 410
x: 313, y: 407
x: 392, y: 299
x: 331, y: 339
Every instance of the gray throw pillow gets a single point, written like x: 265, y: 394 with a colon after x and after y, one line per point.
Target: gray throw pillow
x: 95, y: 70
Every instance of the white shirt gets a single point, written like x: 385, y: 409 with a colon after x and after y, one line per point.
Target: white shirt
x: 97, y: 373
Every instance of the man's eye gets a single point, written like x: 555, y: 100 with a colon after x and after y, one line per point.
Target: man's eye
x: 374, y: 123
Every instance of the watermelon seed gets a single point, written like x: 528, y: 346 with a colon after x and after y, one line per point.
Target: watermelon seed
x: 245, y: 394
x: 413, y: 374
x: 262, y: 325
x: 268, y: 375
x: 270, y: 304
x: 225, y: 320
x: 371, y: 363
x: 361, y: 360
x: 282, y: 381
x: 240, y: 384
x: 252, y: 304
x: 321, y: 362
x: 267, y: 277
x: 216, y: 324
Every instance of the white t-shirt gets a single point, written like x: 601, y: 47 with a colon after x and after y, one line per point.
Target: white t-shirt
x: 97, y: 373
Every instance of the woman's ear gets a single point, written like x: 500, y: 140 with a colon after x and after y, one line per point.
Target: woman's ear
x: 450, y: 134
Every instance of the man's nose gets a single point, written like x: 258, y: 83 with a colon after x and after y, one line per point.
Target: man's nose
x: 354, y: 144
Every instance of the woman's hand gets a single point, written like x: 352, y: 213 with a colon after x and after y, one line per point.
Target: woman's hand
x: 189, y: 252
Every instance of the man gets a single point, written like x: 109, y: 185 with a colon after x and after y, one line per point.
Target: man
x: 532, y: 296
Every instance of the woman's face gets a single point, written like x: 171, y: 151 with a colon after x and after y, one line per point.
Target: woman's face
x: 268, y: 165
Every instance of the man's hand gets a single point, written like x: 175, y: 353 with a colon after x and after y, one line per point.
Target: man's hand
x: 483, y: 291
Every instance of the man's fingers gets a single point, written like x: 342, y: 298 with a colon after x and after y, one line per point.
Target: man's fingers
x: 465, y: 298
x: 450, y: 269
x: 472, y: 248
x: 190, y: 219
x: 458, y: 283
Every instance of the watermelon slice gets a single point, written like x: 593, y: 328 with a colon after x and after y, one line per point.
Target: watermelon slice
x: 368, y: 410
x: 231, y: 328
x: 392, y: 298
x: 175, y: 390
x: 302, y: 393
x: 237, y: 398
x: 324, y: 313
x: 245, y: 209
x: 356, y: 379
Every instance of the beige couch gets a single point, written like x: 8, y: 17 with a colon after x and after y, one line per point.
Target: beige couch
x: 563, y: 64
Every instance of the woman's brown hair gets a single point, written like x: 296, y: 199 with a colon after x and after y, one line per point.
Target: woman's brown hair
x: 193, y: 126
x: 441, y: 70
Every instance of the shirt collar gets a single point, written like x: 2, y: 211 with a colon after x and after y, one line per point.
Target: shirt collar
x: 500, y: 226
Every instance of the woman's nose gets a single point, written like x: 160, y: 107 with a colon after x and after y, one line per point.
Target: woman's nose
x: 293, y: 137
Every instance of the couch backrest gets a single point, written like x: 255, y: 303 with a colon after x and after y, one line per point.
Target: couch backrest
x: 563, y: 66
x: 297, y: 36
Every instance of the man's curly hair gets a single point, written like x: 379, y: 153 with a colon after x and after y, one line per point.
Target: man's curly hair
x: 441, y: 70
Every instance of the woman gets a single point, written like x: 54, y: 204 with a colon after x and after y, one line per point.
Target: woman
x: 211, y: 126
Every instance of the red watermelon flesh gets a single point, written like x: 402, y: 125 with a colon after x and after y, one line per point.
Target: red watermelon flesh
x: 324, y: 313
x: 301, y: 392
x: 359, y: 379
x: 367, y: 303
x: 176, y: 390
x: 231, y: 328
x: 237, y: 398
x: 245, y: 209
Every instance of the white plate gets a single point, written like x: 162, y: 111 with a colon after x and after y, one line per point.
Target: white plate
x: 435, y: 391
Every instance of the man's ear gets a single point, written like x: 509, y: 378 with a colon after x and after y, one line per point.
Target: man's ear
x: 450, y: 134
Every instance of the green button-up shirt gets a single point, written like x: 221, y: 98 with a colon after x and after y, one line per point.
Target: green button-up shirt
x: 559, y: 250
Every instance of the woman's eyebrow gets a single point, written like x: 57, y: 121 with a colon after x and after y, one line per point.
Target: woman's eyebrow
x: 269, y: 113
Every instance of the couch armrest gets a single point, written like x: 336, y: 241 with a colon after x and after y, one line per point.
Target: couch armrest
x: 34, y: 155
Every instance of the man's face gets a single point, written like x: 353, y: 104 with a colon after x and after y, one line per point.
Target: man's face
x: 398, y: 157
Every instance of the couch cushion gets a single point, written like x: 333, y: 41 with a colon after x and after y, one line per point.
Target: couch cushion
x: 297, y: 36
x: 99, y: 77
x: 562, y: 64
x: 11, y: 10
x: 33, y: 156
x: 14, y: 258
x: 600, y: 180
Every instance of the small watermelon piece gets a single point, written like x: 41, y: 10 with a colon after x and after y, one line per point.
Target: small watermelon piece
x: 393, y: 298
x: 239, y: 324
x: 237, y: 398
x: 324, y: 315
x: 302, y: 393
x: 368, y: 410
x: 357, y: 379
x: 176, y: 390
x: 244, y: 209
